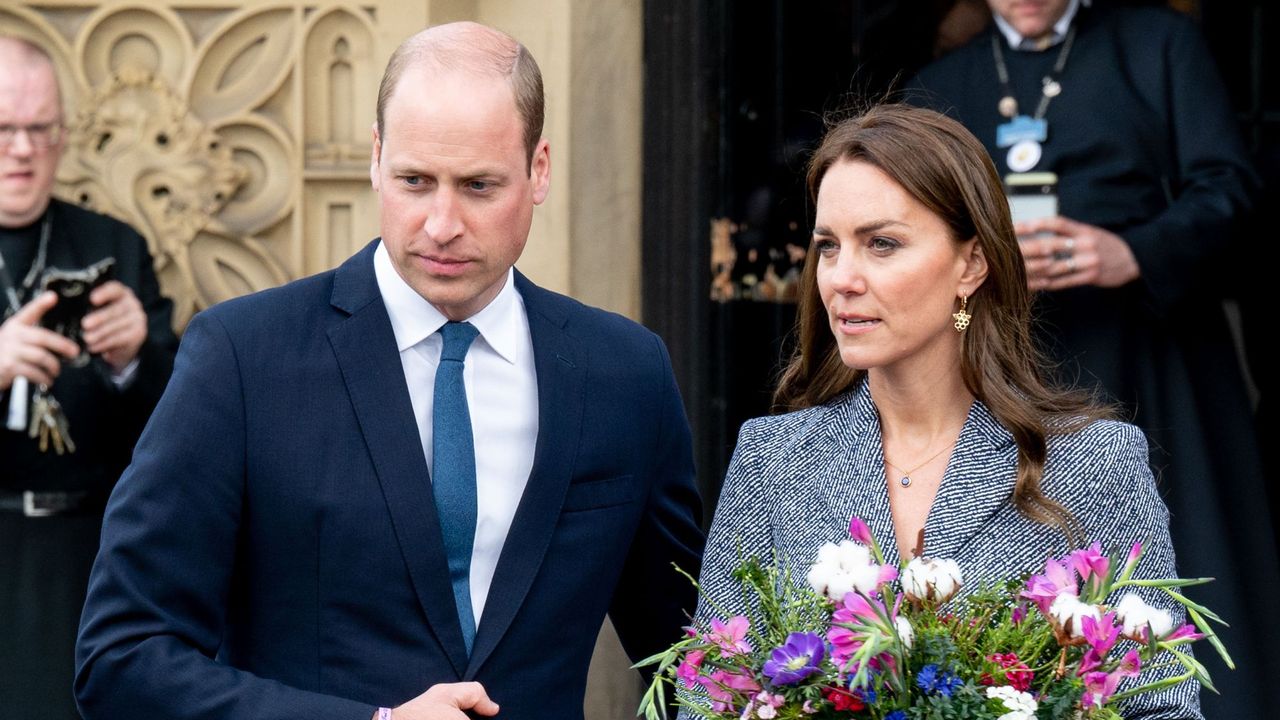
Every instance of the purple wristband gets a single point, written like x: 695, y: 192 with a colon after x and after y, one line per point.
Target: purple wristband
x: 384, y: 713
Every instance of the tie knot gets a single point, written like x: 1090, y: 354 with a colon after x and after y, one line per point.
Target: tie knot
x: 457, y: 338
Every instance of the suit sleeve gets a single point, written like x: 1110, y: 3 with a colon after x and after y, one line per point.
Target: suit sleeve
x: 1124, y: 480
x: 158, y: 595
x: 1213, y: 183
x: 652, y: 601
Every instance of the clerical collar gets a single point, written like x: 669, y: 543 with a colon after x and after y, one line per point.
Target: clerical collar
x: 1018, y: 42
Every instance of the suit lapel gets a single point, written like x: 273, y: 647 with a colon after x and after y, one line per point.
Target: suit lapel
x: 560, y: 406
x: 365, y: 348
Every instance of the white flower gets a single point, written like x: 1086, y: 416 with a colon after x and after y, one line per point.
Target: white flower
x: 766, y: 712
x: 906, y: 633
x: 1069, y: 612
x: 1136, y: 614
x: 1021, y: 705
x: 933, y: 579
x: 841, y: 569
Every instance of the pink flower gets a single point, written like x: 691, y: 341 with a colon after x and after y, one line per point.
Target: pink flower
x: 1044, y: 589
x: 865, y: 618
x: 1100, y: 686
x: 1187, y: 632
x: 859, y: 531
x: 1090, y: 562
x: 1100, y: 634
x: 730, y: 637
x: 688, y: 670
x: 724, y: 687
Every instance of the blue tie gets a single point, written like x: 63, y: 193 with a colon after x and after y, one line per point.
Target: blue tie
x: 453, y: 472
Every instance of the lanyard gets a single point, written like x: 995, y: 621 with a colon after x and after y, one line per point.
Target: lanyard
x: 1050, y: 86
x: 37, y: 268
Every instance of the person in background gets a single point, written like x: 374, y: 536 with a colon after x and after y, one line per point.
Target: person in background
x: 51, y: 496
x: 413, y: 486
x: 1125, y: 107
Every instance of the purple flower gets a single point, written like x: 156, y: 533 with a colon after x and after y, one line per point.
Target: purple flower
x: 859, y: 531
x: 796, y: 660
x: 1019, y: 614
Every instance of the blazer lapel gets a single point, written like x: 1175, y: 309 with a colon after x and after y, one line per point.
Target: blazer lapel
x: 560, y: 401
x: 978, y: 481
x: 365, y: 347
x: 855, y: 484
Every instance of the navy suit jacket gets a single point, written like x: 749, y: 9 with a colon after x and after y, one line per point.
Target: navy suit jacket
x: 274, y: 550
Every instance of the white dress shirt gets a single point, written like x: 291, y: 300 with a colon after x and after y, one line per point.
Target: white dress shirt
x: 1059, y: 28
x: 502, y: 396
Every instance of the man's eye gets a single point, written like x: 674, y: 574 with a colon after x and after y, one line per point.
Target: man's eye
x: 412, y: 180
x: 478, y: 185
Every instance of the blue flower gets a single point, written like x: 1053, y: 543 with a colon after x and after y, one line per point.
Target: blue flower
x: 896, y: 715
x: 796, y: 659
x: 931, y: 680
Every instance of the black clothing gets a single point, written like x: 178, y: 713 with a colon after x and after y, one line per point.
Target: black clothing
x: 45, y: 561
x: 1144, y: 144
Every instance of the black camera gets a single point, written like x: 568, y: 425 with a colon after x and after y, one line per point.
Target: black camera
x: 73, y: 288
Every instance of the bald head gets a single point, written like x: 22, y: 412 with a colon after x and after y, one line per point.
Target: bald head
x: 479, y: 50
x: 20, y: 54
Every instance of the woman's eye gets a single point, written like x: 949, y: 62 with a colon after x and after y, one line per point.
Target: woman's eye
x: 825, y: 246
x: 883, y: 243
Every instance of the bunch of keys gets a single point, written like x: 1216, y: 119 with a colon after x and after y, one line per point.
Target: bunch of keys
x: 49, y: 423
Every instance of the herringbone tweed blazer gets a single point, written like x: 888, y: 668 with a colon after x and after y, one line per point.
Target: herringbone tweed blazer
x: 796, y: 479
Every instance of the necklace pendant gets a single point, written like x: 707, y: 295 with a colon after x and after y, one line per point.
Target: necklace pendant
x: 1008, y: 106
x: 905, y: 481
x: 1052, y: 88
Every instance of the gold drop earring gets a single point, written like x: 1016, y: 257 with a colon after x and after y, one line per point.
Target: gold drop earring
x: 962, y: 317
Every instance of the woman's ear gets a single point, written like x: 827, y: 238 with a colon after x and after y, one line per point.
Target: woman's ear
x: 975, y: 267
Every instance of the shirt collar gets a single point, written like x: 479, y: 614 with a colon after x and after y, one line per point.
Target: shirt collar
x: 1015, y: 40
x: 413, y: 319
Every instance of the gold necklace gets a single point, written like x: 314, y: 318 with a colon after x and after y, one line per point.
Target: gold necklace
x: 905, y: 480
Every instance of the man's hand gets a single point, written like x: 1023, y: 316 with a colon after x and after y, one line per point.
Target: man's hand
x: 118, y: 327
x: 1065, y: 253
x: 30, y: 351
x: 446, y: 701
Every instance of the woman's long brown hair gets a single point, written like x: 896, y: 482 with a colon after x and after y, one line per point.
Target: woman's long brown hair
x: 946, y: 169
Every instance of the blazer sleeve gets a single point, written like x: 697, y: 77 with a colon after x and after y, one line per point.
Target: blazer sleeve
x: 1128, y: 509
x: 652, y: 601
x: 158, y: 594
x: 1212, y: 184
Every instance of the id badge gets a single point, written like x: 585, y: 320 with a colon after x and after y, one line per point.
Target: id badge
x: 1021, y: 128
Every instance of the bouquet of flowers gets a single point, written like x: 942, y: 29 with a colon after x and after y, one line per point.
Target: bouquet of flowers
x: 862, y: 639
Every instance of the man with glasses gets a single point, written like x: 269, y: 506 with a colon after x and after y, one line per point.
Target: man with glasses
x: 51, y: 497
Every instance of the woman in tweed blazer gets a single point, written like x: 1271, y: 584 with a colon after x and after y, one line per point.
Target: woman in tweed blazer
x: 915, y: 396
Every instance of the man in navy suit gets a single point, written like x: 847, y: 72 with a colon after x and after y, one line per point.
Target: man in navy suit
x: 300, y: 536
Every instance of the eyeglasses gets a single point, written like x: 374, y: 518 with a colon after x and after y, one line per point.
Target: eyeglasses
x: 40, y: 135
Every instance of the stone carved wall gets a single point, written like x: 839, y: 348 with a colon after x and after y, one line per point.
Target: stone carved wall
x: 234, y: 136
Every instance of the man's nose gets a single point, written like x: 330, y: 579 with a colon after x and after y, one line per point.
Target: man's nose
x: 21, y: 143
x: 444, y: 219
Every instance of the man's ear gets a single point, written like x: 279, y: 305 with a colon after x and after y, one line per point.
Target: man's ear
x: 540, y: 171
x: 374, y: 159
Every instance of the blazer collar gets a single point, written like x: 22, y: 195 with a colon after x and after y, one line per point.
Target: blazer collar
x: 979, y: 477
